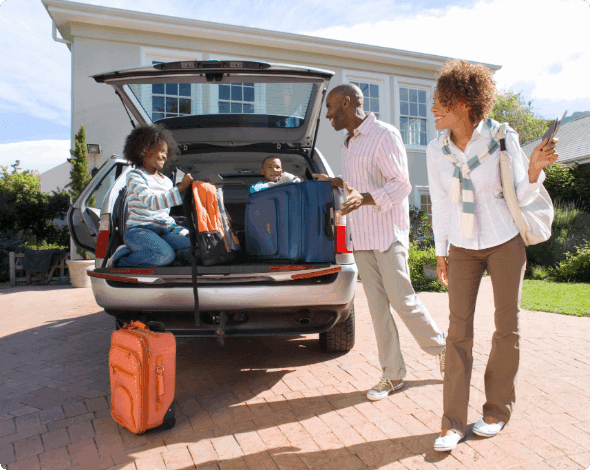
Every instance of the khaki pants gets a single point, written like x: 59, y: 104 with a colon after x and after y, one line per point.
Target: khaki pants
x: 506, y: 265
x: 386, y: 280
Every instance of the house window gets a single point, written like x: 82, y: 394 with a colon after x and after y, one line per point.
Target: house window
x: 371, y: 97
x: 426, y: 205
x: 413, y: 115
x: 236, y: 98
x: 170, y: 99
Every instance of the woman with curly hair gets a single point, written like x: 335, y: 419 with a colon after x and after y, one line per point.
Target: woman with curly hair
x: 151, y: 236
x: 474, y: 231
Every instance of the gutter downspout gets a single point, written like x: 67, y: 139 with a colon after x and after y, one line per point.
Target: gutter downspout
x: 54, y: 35
x: 70, y: 44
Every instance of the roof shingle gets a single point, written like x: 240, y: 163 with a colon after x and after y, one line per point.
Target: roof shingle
x: 574, y: 142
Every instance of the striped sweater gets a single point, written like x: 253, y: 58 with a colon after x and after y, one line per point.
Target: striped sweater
x: 150, y: 198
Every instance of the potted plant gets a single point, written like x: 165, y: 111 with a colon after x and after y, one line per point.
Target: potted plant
x: 79, y: 178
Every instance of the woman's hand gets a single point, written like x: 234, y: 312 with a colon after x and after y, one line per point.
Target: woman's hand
x: 543, y: 156
x: 441, y: 270
x: 186, y: 182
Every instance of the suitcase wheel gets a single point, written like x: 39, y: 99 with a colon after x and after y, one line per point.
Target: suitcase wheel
x: 169, y: 418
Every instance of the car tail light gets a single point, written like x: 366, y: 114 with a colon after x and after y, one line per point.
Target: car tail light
x: 341, y: 234
x: 102, y: 240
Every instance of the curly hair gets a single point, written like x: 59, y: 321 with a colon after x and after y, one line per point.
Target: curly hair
x: 143, y: 138
x: 474, y: 84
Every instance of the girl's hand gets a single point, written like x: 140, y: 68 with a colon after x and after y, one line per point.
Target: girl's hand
x: 441, y: 270
x: 544, y: 155
x: 186, y: 182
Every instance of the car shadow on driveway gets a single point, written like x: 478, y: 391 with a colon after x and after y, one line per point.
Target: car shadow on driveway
x: 297, y: 401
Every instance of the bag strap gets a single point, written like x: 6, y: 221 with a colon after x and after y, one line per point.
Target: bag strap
x: 188, y: 206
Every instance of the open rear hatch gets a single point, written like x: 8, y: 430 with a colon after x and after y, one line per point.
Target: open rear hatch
x: 226, y: 103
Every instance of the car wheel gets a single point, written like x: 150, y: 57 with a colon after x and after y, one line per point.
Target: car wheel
x: 340, y: 337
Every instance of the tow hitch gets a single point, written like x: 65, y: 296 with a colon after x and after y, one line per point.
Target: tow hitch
x: 220, y: 330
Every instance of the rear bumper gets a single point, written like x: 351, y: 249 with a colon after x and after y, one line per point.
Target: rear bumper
x: 230, y: 297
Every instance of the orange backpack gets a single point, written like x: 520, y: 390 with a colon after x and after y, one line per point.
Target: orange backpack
x: 209, y: 228
x: 142, y: 365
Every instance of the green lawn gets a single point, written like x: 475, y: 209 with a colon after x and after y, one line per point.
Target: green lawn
x: 557, y: 297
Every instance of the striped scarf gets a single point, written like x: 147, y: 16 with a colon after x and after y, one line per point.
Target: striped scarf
x: 461, y: 186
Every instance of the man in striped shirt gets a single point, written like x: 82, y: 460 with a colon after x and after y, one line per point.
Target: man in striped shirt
x: 375, y: 175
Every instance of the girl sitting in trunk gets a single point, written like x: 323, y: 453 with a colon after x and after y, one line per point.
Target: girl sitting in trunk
x: 151, y: 235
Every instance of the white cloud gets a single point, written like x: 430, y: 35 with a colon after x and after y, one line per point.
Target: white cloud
x: 527, y: 37
x: 40, y: 155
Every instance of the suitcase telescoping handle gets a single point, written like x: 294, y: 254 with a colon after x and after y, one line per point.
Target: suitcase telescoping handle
x: 329, y: 221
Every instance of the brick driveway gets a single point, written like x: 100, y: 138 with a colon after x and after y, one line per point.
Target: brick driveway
x: 279, y: 403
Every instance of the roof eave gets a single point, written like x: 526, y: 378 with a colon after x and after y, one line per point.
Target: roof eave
x: 65, y: 13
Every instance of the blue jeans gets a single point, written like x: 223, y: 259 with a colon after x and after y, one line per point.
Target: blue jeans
x: 150, y: 245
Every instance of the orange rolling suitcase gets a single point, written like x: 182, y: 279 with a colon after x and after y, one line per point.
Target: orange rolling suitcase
x: 142, y: 365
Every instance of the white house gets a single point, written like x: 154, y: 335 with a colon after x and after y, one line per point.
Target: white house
x: 398, y: 85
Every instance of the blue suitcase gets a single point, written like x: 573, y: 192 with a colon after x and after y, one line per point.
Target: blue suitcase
x: 292, y: 222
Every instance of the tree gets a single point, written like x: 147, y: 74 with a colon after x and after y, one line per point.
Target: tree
x: 25, y: 209
x: 79, y: 174
x: 520, y: 115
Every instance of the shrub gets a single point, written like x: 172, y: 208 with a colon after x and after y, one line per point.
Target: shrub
x: 418, y: 257
x: 575, y: 267
x: 571, y: 228
x: 420, y: 228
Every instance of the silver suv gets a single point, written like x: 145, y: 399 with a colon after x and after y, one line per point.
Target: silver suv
x: 227, y: 117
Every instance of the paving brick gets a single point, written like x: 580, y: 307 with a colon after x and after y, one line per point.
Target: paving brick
x: 7, y: 427
x: 75, y: 409
x: 83, y: 452
x: 56, y: 459
x: 97, y: 404
x: 55, y: 439
x: 28, y: 421
x: 151, y: 462
x: 564, y: 463
x: 7, y: 454
x: 81, y: 431
x: 52, y: 414
x: 28, y: 447
x: 178, y: 459
x: 30, y: 463
x: 259, y: 461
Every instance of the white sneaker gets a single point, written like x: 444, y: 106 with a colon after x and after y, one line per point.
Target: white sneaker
x: 384, y: 388
x: 448, y: 442
x: 481, y: 428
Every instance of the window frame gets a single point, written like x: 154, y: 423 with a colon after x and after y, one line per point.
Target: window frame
x: 422, y: 190
x: 420, y: 84
x: 259, y: 88
x: 157, y: 54
x: 380, y: 79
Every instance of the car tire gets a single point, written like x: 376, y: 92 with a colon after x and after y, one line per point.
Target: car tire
x: 341, y: 337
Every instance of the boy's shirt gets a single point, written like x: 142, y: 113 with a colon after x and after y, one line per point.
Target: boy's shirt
x: 285, y: 178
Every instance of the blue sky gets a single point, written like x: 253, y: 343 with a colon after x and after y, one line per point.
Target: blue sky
x: 541, y: 44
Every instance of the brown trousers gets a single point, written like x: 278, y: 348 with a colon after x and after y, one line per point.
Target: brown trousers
x: 506, y: 264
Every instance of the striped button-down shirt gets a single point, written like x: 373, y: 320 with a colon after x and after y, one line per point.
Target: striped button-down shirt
x: 493, y: 223
x: 150, y: 198
x: 374, y: 161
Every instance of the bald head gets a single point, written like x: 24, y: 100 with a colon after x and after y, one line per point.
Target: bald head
x: 351, y: 90
x: 344, y: 106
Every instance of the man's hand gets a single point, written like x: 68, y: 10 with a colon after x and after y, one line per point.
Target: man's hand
x: 543, y: 156
x: 355, y: 200
x: 185, y: 183
x: 441, y: 270
x: 336, y: 182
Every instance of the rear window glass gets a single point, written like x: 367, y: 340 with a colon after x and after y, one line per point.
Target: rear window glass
x: 286, y: 103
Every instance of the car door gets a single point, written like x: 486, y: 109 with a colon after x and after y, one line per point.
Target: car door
x: 84, y: 214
